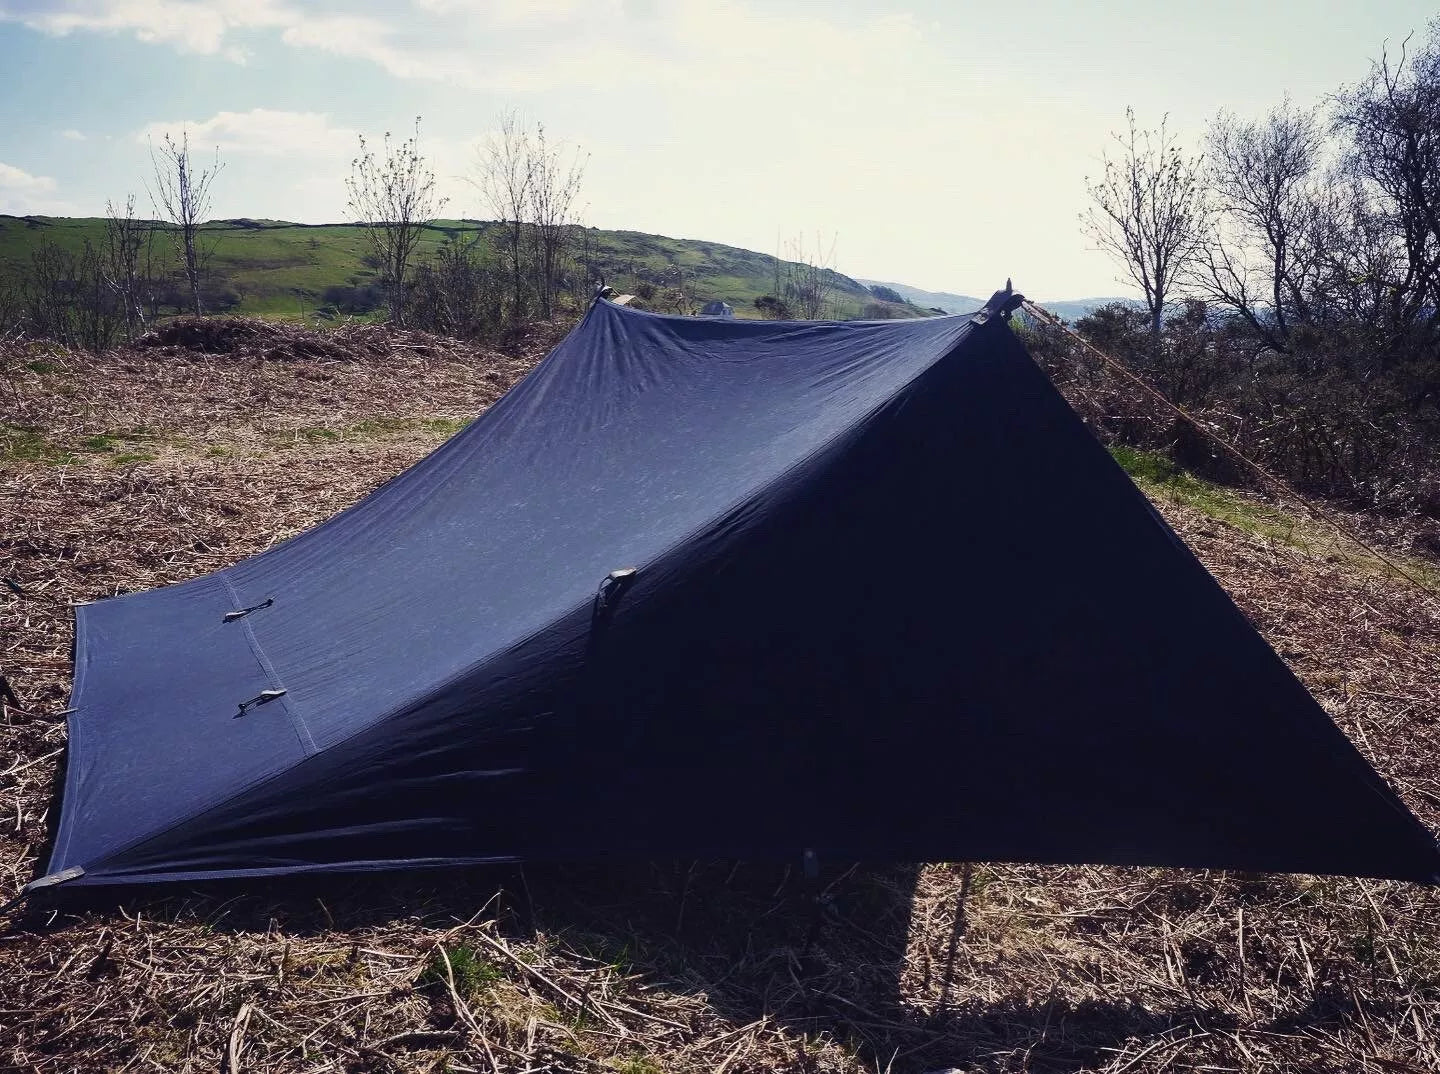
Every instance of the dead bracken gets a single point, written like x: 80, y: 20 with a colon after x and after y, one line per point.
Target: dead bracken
x: 252, y: 434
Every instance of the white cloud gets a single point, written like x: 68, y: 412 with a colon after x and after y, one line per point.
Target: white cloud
x: 515, y: 46
x: 17, y: 180
x: 70, y: 134
x: 299, y: 160
x: 688, y: 47
x: 520, y: 11
x: 23, y: 194
x: 259, y: 132
x: 189, y: 25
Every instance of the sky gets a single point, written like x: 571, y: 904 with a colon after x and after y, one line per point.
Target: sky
x: 940, y: 144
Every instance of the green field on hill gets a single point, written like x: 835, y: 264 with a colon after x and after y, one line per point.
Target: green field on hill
x: 302, y: 271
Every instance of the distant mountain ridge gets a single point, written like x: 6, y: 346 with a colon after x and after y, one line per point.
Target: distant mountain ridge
x: 1075, y: 308
x: 1066, y: 309
x: 941, y: 300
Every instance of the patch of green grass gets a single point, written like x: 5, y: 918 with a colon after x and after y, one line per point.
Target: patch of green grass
x: 219, y: 451
x: 372, y: 429
x: 1160, y: 479
x: 620, y: 960
x: 42, y: 367
x: 391, y: 426
x: 25, y: 443
x: 123, y: 445
x: 1143, y: 465
x: 100, y: 442
x: 472, y: 973
x: 635, y: 1064
x: 444, y: 426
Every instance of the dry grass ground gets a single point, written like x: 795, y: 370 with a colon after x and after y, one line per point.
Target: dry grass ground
x: 161, y: 463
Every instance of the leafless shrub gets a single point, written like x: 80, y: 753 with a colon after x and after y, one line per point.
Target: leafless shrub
x: 807, y: 276
x: 182, y: 195
x: 772, y: 308
x: 1390, y: 122
x: 555, y: 178
x: 532, y: 186
x: 67, y: 298
x: 12, y: 305
x: 455, y: 294
x: 1147, y: 212
x: 502, y: 174
x: 393, y: 197
x: 125, y: 271
x: 1263, y: 258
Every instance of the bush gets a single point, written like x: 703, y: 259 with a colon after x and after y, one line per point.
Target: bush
x: 65, y: 297
x: 455, y: 294
x: 1327, y: 417
x: 775, y: 309
x: 359, y: 296
x: 219, y: 296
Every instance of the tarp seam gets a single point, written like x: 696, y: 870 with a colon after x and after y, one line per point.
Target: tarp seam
x: 302, y: 731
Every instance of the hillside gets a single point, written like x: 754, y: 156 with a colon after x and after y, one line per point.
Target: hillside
x: 1066, y: 309
x: 162, y: 462
x: 941, y: 300
x: 278, y: 269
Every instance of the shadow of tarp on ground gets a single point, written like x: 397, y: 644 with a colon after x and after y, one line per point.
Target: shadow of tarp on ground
x: 822, y: 960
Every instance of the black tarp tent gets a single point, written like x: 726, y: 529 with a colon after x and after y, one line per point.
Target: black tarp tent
x: 705, y: 587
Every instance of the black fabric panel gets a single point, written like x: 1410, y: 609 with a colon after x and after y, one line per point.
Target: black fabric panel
x: 970, y: 638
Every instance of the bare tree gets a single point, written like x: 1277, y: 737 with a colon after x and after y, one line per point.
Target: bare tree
x: 12, y: 328
x: 51, y: 292
x: 503, y: 175
x: 676, y: 298
x: 1362, y: 265
x: 1148, y: 213
x: 1392, y: 121
x: 124, y: 238
x: 67, y: 297
x: 809, y: 276
x: 393, y: 197
x: 1264, y: 256
x: 181, y: 195
x: 553, y: 180
x: 532, y: 187
x: 98, y: 314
